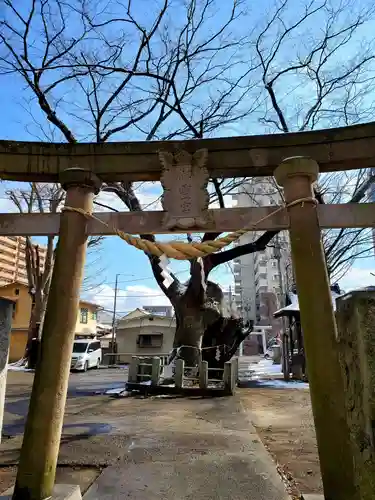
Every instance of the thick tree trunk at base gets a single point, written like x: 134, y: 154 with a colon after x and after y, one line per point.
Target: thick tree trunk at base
x: 207, y: 329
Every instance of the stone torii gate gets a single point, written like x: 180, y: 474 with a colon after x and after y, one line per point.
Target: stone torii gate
x: 81, y: 168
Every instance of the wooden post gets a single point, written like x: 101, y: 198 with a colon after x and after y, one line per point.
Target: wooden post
x: 296, y: 175
x: 234, y: 378
x: 285, y: 356
x: 40, y: 447
x: 203, y: 375
x: 179, y: 373
x: 6, y: 308
x: 229, y: 377
x: 155, y: 375
x: 133, y: 369
x: 236, y: 368
x: 356, y: 329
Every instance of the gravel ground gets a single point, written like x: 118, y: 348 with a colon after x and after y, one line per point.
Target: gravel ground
x: 284, y: 421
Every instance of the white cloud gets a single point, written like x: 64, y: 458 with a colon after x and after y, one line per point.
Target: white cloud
x: 130, y: 298
x: 148, y: 194
x: 6, y: 206
x: 357, y: 278
x: 229, y: 202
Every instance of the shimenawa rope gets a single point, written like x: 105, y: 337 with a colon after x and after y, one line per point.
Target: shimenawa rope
x: 185, y: 251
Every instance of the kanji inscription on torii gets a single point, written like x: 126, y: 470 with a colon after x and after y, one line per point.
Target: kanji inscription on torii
x: 184, y: 180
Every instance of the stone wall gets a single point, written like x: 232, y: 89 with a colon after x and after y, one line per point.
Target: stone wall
x: 356, y: 340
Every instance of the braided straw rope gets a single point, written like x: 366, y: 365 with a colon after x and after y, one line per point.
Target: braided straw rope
x: 180, y: 250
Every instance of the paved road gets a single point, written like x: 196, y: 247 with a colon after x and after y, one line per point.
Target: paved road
x: 91, y: 381
x: 96, y: 381
x: 81, y: 387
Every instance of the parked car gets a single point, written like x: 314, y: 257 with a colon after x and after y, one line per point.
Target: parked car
x: 86, y: 354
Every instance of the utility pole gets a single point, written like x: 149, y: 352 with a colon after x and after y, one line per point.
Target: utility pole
x: 281, y: 303
x: 114, y: 318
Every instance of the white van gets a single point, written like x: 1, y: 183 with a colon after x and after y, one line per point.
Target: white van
x: 86, y: 354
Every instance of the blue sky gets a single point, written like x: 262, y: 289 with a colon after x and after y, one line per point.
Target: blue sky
x: 19, y: 121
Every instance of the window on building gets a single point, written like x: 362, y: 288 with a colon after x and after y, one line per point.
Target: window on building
x: 276, y: 277
x: 263, y: 276
x: 17, y: 291
x: 84, y: 315
x: 94, y: 315
x: 9, y: 244
x: 155, y: 340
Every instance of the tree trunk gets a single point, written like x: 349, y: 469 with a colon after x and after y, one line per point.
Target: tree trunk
x: 36, y: 318
x: 207, y: 328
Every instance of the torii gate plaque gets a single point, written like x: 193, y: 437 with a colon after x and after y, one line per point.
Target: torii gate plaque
x: 186, y: 198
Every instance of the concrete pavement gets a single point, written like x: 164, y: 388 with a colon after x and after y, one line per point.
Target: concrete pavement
x: 190, y: 449
x: 159, y: 447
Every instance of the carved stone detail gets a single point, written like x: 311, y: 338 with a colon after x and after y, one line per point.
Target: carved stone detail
x: 184, y: 180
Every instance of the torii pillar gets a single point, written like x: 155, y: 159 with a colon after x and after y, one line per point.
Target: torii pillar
x: 297, y: 175
x: 41, y: 441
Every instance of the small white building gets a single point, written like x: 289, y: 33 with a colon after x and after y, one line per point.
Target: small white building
x: 140, y: 333
x: 159, y: 310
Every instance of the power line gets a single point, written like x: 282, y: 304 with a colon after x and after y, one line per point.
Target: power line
x: 150, y: 277
x: 131, y: 296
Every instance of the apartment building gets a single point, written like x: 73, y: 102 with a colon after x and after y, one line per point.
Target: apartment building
x: 261, y: 278
x: 13, y: 259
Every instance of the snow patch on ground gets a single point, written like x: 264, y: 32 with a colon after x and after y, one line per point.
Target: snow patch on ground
x: 266, y: 374
x: 17, y: 368
x: 123, y: 390
x: 117, y: 390
x: 282, y: 384
x: 264, y: 368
